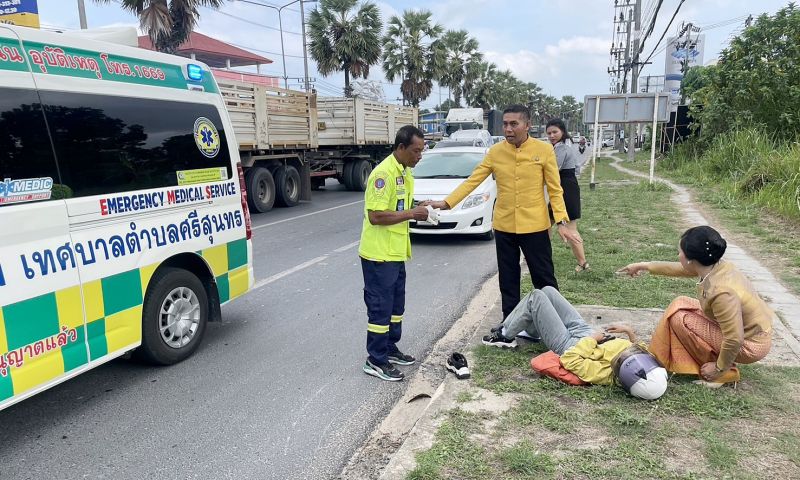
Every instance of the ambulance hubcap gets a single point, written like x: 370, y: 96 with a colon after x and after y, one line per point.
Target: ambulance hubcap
x: 179, y: 317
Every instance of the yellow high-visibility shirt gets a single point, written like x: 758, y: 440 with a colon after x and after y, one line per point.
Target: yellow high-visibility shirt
x: 592, y: 362
x: 390, y: 187
x: 521, y: 175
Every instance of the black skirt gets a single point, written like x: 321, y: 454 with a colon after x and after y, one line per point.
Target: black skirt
x: 572, y: 193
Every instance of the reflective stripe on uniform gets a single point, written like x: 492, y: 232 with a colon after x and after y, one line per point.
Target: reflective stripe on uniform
x: 397, y: 318
x: 373, y: 328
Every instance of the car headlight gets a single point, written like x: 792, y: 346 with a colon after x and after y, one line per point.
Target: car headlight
x: 475, y: 200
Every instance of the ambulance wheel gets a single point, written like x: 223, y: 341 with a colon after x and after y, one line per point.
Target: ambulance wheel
x: 347, y: 173
x: 174, y: 316
x: 359, y: 174
x: 287, y: 186
x: 260, y: 189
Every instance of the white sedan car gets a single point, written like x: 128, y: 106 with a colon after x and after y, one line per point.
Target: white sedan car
x: 438, y: 173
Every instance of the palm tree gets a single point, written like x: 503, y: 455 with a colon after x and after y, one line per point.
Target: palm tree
x: 483, y: 93
x: 413, y: 52
x: 168, y: 23
x: 462, y: 62
x: 345, y: 37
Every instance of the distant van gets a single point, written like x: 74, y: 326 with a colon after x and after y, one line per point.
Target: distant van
x: 123, y: 217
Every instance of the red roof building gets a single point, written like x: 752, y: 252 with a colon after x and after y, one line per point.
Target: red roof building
x: 220, y: 55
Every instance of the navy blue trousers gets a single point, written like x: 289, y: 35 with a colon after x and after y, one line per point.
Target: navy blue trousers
x: 385, y: 297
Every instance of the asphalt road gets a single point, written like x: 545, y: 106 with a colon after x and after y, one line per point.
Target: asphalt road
x: 276, y: 391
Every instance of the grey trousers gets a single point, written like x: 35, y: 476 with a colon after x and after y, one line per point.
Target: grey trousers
x: 547, y: 314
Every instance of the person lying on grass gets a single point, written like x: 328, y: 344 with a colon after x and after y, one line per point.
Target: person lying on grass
x: 595, y: 357
x: 728, y: 323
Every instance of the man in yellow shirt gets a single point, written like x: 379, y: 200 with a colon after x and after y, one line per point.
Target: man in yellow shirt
x: 385, y: 246
x: 522, y: 167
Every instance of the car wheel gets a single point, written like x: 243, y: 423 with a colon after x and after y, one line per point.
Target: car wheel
x: 287, y: 185
x: 174, y: 316
x: 260, y: 189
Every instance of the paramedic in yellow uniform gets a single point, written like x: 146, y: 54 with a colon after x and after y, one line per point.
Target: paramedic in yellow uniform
x: 385, y: 247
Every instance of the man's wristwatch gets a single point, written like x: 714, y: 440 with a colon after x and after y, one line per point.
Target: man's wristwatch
x: 563, y: 222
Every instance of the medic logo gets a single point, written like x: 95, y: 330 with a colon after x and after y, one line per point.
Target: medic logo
x: 206, y: 137
x: 25, y: 190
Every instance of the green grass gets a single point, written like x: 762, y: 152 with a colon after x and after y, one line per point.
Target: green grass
x: 621, y: 224
x: 467, y: 396
x: 523, y: 461
x: 719, y: 452
x: 789, y: 443
x: 768, y: 232
x: 559, y: 431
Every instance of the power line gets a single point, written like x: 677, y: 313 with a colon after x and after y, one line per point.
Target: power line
x: 252, y: 22
x: 269, y: 5
x: 665, y: 30
x: 263, y: 51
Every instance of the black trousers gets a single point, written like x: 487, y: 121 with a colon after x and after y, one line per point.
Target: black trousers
x: 539, y: 256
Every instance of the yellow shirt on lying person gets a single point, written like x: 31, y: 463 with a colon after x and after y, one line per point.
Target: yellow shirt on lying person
x: 592, y: 362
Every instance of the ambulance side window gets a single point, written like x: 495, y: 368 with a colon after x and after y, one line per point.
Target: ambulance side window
x: 25, y: 150
x: 108, y: 144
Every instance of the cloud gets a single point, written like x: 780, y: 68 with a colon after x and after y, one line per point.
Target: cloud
x: 567, y: 53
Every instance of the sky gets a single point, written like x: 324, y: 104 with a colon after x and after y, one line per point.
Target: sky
x: 562, y: 45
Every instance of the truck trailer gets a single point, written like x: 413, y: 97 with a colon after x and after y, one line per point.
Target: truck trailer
x: 290, y: 142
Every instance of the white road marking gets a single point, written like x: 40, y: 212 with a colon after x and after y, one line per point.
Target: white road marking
x: 278, y: 276
x: 306, y: 215
x: 347, y: 247
x: 302, y: 266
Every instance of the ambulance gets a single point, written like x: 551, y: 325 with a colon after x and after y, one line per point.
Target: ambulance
x: 123, y: 216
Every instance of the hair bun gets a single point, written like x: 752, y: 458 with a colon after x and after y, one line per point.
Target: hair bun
x: 703, y: 244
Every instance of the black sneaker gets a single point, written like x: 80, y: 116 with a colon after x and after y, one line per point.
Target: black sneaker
x: 385, y: 372
x: 457, y: 364
x: 496, y: 339
x: 400, y: 358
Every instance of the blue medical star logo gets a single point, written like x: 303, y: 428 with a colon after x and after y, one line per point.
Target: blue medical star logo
x: 208, y: 136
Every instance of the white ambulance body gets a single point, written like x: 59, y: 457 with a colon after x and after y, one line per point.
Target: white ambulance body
x: 123, y: 221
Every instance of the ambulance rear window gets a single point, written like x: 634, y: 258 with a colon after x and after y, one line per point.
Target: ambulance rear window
x: 107, y: 144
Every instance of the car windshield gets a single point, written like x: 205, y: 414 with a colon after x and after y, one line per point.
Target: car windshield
x: 447, y: 165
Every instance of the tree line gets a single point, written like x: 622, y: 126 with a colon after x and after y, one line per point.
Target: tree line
x: 346, y: 36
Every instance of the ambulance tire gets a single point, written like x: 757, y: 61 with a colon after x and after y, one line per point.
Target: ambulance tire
x: 171, y: 287
x: 260, y: 189
x: 359, y: 175
x: 287, y: 186
x: 347, y: 173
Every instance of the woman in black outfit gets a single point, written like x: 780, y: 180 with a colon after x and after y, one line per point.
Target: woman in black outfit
x: 568, y: 164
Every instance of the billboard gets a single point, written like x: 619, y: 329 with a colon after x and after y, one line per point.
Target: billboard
x: 24, y: 13
x: 681, y: 55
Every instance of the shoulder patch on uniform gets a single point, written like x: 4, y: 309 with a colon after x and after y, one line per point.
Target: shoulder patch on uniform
x: 379, y: 184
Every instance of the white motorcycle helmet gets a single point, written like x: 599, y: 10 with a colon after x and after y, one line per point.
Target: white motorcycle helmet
x: 639, y: 373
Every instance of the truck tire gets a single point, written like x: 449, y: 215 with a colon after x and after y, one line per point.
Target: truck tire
x: 174, y: 316
x: 347, y: 172
x: 287, y: 186
x: 359, y: 174
x: 260, y: 189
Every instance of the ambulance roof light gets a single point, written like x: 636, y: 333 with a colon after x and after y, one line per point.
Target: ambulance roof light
x: 194, y: 72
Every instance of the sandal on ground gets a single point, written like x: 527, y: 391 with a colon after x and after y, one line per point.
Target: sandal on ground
x: 582, y: 268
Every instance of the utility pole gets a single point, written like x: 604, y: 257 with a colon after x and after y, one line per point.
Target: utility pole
x: 637, y: 20
x: 305, y: 52
x: 82, y: 14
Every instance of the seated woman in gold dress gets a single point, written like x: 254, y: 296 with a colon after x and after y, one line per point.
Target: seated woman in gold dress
x: 728, y: 323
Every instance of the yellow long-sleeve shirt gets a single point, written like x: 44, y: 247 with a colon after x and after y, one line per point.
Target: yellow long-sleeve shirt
x: 727, y: 297
x: 521, y: 175
x: 592, y: 362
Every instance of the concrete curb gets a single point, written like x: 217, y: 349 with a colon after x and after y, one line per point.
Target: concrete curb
x: 425, y: 387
